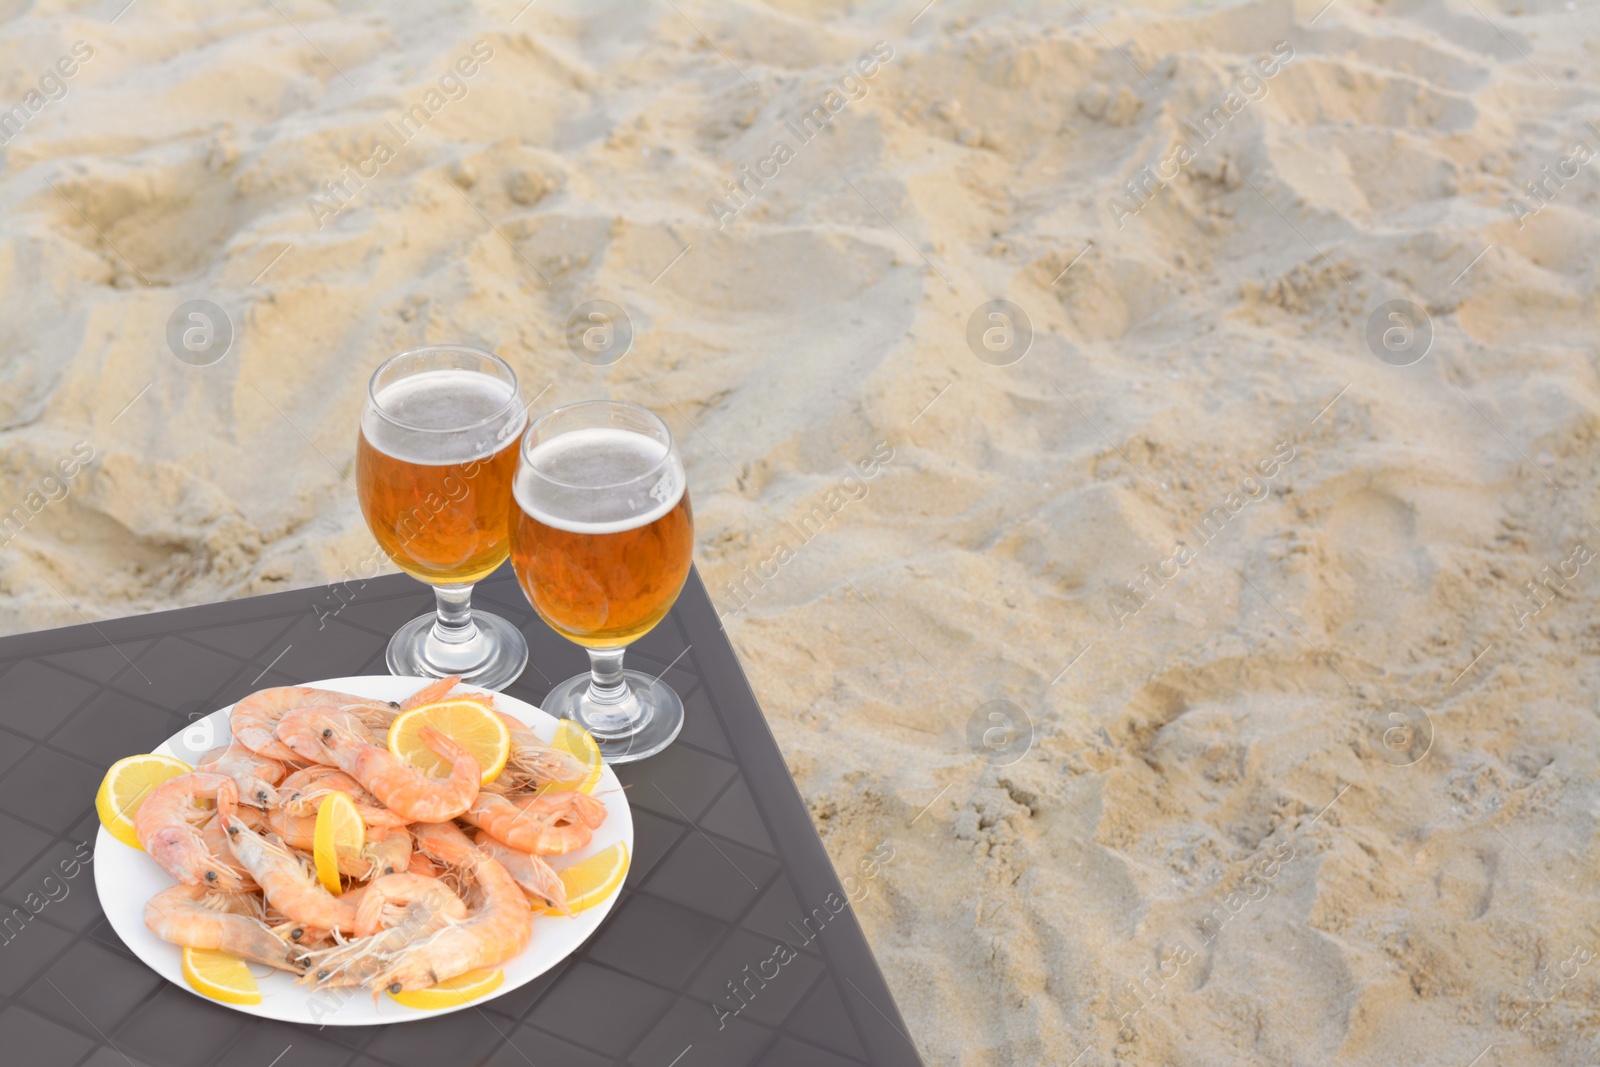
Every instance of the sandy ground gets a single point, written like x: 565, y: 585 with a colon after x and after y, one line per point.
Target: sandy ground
x: 1224, y: 687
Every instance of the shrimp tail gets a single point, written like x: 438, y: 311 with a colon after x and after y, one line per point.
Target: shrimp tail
x: 447, y: 747
x: 446, y: 843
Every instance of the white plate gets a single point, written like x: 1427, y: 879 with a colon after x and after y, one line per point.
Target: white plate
x: 126, y: 877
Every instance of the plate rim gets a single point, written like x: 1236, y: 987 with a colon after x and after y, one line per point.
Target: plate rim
x: 609, y: 790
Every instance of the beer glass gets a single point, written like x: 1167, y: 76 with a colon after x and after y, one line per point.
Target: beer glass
x: 434, y: 462
x: 601, y: 544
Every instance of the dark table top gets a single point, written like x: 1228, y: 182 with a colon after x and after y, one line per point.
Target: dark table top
x: 687, y: 971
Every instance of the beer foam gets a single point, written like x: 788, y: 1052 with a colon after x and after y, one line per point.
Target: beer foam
x: 593, y: 481
x: 434, y: 402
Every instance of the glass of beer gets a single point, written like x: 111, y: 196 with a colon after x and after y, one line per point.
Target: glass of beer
x: 434, y: 463
x: 601, y: 544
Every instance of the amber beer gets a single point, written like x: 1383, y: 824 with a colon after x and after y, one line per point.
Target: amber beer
x: 603, y: 535
x: 438, y: 502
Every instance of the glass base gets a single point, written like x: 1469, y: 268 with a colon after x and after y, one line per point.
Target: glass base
x: 493, y: 659
x: 647, y: 721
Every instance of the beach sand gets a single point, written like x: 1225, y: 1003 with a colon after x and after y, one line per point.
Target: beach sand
x: 1218, y: 687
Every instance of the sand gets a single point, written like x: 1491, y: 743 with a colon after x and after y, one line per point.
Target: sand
x: 1297, y: 747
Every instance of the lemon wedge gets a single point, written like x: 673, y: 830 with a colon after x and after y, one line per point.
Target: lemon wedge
x: 575, y: 741
x: 453, y: 992
x: 124, y: 788
x: 466, y: 722
x: 220, y: 977
x: 591, y: 881
x: 339, y: 833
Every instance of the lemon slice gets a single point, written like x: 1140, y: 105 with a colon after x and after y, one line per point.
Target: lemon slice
x: 339, y: 833
x: 453, y: 992
x: 592, y: 881
x: 466, y: 722
x: 124, y: 788
x: 220, y: 976
x: 575, y: 740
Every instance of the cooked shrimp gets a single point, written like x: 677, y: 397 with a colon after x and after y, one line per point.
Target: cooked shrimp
x: 299, y: 789
x: 299, y: 934
x: 534, y: 759
x: 422, y: 865
x: 196, y: 917
x: 549, y: 825
x: 302, y: 934
x: 336, y: 739
x: 489, y: 936
x: 168, y: 826
x: 409, y: 900
x: 255, y: 719
x: 446, y: 843
x: 536, y: 877
x: 305, y: 790
x: 585, y: 807
x: 388, y: 851
x: 254, y: 774
x: 502, y: 820
x: 216, y: 839
x: 296, y: 831
x: 308, y: 938
x: 306, y: 724
x: 355, y: 962
x: 284, y: 877
x: 269, y: 706
x: 380, y: 716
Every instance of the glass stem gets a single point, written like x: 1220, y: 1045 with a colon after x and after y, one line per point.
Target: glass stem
x: 454, y: 626
x: 607, y: 686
